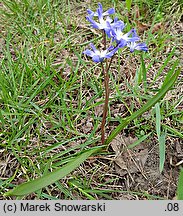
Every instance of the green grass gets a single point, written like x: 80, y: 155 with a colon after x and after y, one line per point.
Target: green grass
x: 49, y: 93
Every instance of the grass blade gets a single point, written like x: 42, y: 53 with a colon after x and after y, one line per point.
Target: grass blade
x: 140, y: 140
x: 144, y: 72
x: 158, y: 120
x: 173, y: 131
x: 128, y: 4
x: 50, y: 178
x: 164, y: 65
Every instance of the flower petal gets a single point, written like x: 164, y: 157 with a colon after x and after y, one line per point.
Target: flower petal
x: 93, y: 47
x: 142, y: 46
x: 111, y: 53
x: 89, y: 53
x: 109, y: 12
x: 100, y: 8
x: 90, y: 12
x: 93, y: 23
x: 97, y: 58
x: 122, y: 43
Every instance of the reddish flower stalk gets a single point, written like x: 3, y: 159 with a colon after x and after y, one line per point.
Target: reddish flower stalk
x: 105, y: 109
x: 111, y: 29
x: 106, y: 102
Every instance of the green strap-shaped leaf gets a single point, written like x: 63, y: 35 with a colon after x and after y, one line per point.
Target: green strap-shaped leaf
x: 161, y: 137
x: 172, y: 75
x: 50, y: 178
x: 162, y: 149
x: 180, y: 186
x: 128, y: 4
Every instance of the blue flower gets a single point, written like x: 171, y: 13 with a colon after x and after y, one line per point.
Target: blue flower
x: 136, y: 46
x: 123, y: 39
x: 105, y: 24
x: 100, y: 10
x: 114, y: 30
x: 140, y: 46
x: 99, y: 56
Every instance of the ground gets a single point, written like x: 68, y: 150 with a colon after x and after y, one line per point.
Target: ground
x: 52, y: 101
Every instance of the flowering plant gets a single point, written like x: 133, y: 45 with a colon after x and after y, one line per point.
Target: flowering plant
x: 113, y: 30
